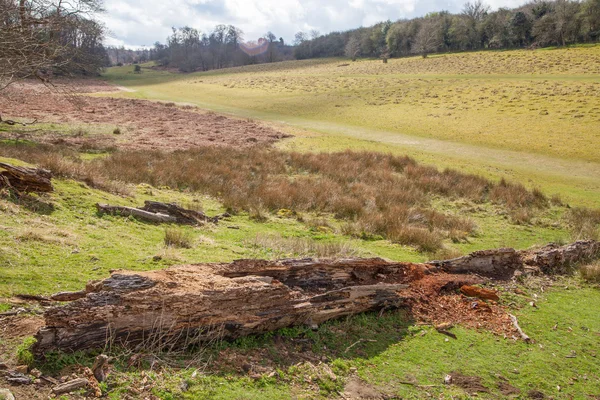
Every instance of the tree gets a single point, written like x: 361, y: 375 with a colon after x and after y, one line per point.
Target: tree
x: 428, y: 38
x: 521, y: 28
x: 39, y: 38
x: 352, y: 49
x: 591, y: 15
x: 299, y: 38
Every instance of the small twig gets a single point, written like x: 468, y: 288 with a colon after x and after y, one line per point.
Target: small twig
x: 358, y: 342
x: 525, y: 338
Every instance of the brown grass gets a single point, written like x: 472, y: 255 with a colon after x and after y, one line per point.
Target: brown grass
x: 584, y: 223
x: 376, y: 194
x: 179, y: 238
x: 281, y: 247
x: 591, y: 272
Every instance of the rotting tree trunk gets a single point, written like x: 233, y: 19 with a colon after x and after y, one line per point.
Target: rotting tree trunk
x: 24, y: 179
x: 183, y: 305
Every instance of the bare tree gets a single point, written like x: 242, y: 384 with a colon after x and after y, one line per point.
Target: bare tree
x: 299, y: 38
x: 42, y: 37
x: 352, y: 49
x: 428, y: 38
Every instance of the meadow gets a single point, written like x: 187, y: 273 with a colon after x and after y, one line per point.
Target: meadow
x: 528, y: 115
x: 412, y: 160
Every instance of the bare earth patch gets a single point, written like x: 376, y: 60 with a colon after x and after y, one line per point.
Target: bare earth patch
x: 142, y: 124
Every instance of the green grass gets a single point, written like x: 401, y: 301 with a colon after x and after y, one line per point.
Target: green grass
x: 528, y: 114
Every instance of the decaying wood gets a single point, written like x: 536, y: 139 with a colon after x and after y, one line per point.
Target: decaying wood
x: 518, y: 328
x: 183, y: 305
x: 68, y: 296
x: 135, y: 212
x: 70, y: 386
x: 24, y: 179
x: 154, y: 211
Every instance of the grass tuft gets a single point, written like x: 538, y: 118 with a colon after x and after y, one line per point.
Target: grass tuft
x: 591, y: 273
x: 177, y: 237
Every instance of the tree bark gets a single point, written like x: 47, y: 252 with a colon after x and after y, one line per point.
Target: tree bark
x: 24, y: 179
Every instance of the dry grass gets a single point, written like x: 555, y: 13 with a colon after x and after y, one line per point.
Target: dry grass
x: 584, y: 223
x: 179, y: 238
x: 281, y: 247
x: 375, y: 194
x: 591, y: 272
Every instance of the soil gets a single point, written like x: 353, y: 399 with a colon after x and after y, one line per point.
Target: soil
x: 434, y: 300
x: 142, y: 124
x: 470, y: 384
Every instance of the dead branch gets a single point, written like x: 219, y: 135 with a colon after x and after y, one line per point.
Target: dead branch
x: 515, y: 322
x: 154, y: 211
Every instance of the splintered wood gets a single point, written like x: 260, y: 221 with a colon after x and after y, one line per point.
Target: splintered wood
x: 180, y: 306
x: 24, y: 179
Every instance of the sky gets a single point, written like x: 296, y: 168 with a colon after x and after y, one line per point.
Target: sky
x: 136, y: 23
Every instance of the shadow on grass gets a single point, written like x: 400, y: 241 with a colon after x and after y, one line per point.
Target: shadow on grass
x: 360, y: 336
x: 30, y: 202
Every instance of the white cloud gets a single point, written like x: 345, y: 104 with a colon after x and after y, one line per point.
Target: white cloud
x: 135, y: 23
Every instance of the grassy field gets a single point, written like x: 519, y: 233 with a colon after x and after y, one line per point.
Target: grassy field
x: 529, y: 115
x: 532, y: 117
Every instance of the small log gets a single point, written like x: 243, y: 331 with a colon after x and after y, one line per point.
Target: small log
x: 135, y: 212
x: 68, y: 296
x: 70, y: 386
x: 154, y: 211
x: 183, y: 216
x: 24, y: 179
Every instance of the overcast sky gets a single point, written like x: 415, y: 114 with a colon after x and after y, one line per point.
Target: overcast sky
x: 136, y: 23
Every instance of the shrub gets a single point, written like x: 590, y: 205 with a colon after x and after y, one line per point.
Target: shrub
x: 177, y: 237
x: 374, y: 194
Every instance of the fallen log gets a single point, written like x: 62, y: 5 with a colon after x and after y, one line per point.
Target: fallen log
x: 135, y: 212
x: 154, y: 211
x: 25, y: 179
x: 181, y: 306
x: 182, y: 215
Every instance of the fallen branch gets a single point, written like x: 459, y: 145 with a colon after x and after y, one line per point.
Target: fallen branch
x: 135, y: 212
x: 525, y: 338
x: 154, y: 211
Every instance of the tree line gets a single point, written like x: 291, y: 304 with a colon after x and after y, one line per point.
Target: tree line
x: 188, y: 49
x: 536, y: 24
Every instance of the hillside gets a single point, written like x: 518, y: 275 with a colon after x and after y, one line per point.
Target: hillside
x: 413, y: 160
